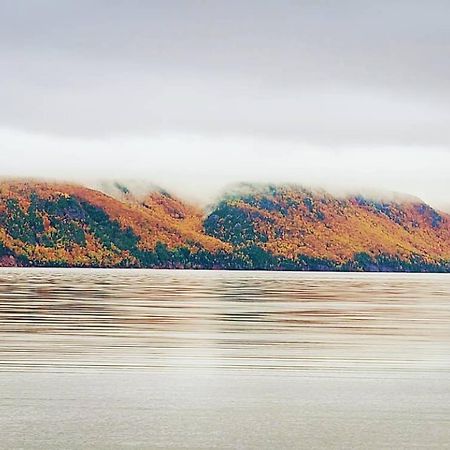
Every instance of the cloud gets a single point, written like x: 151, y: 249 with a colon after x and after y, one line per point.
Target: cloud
x: 212, y: 92
x: 349, y: 73
x: 201, y: 167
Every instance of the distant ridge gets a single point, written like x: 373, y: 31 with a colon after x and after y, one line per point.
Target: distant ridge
x: 265, y: 227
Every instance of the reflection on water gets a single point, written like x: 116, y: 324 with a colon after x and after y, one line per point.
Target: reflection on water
x: 75, y: 319
x: 179, y: 359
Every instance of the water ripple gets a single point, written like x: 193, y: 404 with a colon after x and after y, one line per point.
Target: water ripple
x: 115, y: 319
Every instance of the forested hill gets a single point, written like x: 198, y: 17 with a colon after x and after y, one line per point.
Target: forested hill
x: 255, y: 227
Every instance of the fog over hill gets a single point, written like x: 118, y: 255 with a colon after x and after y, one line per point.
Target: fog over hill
x: 195, y: 95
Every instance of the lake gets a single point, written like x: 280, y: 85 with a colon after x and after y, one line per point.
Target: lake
x: 215, y: 359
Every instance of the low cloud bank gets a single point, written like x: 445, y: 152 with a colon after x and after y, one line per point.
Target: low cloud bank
x: 201, y: 167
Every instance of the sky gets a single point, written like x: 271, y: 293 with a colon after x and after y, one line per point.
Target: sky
x: 197, y: 95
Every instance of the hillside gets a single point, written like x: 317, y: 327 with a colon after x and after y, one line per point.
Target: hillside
x: 301, y: 228
x: 254, y: 227
x: 64, y: 224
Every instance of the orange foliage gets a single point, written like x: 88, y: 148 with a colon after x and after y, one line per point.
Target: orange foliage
x: 292, y: 221
x: 319, y: 225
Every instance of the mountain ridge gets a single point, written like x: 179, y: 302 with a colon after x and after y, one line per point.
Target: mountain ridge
x: 267, y: 227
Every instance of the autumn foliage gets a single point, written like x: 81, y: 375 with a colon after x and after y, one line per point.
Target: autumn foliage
x: 263, y: 227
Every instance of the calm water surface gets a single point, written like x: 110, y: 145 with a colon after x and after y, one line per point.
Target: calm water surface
x: 198, y: 359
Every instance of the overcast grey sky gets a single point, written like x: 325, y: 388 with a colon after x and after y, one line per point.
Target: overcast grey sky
x: 203, y: 93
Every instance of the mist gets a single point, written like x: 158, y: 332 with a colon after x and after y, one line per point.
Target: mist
x: 202, y: 168
x: 195, y: 96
